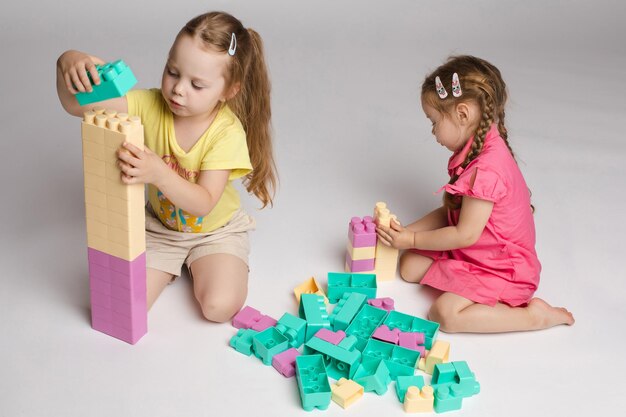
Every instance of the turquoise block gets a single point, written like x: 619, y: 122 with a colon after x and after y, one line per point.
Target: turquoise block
x: 399, y: 360
x: 408, y: 323
x: 313, y: 310
x: 346, y: 309
x: 268, y: 343
x: 340, y: 283
x: 403, y: 382
x: 293, y: 328
x: 364, y: 324
x: 242, y: 341
x: 457, y: 374
x: 313, y: 383
x: 116, y: 79
x: 447, y: 398
x: 373, y: 376
x: 340, y: 362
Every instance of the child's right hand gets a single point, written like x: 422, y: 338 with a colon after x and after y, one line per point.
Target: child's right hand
x: 74, y: 66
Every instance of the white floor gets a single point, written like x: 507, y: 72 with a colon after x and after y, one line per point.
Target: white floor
x: 348, y: 132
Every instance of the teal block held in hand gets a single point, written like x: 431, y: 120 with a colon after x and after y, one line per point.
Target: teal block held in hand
x: 116, y: 79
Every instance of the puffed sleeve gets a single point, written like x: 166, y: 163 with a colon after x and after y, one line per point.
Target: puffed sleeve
x: 479, y: 182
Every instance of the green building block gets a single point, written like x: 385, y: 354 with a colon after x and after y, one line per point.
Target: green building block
x: 116, y: 79
x: 313, y: 383
x: 242, y: 341
x: 341, y: 361
x: 447, y: 398
x: 408, y: 323
x: 268, y: 343
x: 364, y: 324
x: 457, y: 374
x: 313, y: 310
x: 340, y: 283
x: 373, y: 376
x: 346, y: 309
x: 293, y: 328
x: 403, y: 382
x: 399, y: 360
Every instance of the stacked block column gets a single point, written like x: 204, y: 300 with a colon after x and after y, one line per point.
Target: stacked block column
x: 115, y: 227
x: 361, y: 250
x: 386, y: 256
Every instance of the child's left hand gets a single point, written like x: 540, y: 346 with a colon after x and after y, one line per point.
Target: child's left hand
x: 140, y: 166
x: 395, y: 236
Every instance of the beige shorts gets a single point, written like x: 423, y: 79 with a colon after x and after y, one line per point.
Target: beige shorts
x: 167, y: 250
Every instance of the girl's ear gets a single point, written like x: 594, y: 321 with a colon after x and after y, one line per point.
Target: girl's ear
x: 233, y: 91
x: 463, y: 113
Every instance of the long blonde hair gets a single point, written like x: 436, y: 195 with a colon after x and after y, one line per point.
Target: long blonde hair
x: 252, y: 103
x: 482, y: 83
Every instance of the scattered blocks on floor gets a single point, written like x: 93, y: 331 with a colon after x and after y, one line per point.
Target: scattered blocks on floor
x: 419, y: 400
x: 285, y: 362
x: 385, y: 303
x: 268, y: 343
x: 384, y: 334
x: 373, y: 375
x: 346, y: 309
x: 366, y: 321
x: 313, y: 383
x: 408, y: 323
x: 330, y: 336
x: 403, y: 382
x: 313, y: 310
x: 341, y: 360
x: 242, y: 341
x: 345, y: 392
x: 309, y: 286
x: 439, y: 353
x: 399, y: 360
x: 293, y: 328
x: 340, y: 283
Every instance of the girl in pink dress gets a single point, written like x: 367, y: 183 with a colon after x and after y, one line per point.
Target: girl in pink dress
x: 479, y: 247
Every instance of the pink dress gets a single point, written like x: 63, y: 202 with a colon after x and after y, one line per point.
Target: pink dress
x: 502, y: 266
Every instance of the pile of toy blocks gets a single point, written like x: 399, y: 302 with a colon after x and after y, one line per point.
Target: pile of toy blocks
x: 363, y: 345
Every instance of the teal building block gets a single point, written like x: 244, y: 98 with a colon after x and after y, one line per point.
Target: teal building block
x: 403, y: 382
x: 457, y: 374
x: 373, y: 376
x: 116, y: 79
x: 242, y: 341
x: 313, y: 383
x: 447, y: 398
x: 268, y: 343
x: 408, y: 323
x: 340, y: 362
x: 313, y: 310
x: 346, y: 309
x: 340, y: 283
x: 293, y: 328
x: 364, y: 324
x: 399, y: 360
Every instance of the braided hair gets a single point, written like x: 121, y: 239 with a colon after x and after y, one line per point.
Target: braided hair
x: 482, y: 83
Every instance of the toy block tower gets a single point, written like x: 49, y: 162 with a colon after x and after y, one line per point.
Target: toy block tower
x: 361, y: 250
x: 386, y: 256
x: 115, y: 227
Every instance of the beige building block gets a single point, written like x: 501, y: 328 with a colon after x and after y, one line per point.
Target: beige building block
x: 416, y: 401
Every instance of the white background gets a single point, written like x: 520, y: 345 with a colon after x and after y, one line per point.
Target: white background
x: 349, y: 131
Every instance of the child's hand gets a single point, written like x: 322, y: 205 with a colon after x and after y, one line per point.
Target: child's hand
x: 395, y: 236
x: 140, y: 166
x: 74, y: 66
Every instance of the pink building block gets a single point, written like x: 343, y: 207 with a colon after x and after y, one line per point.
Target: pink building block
x: 413, y: 341
x: 263, y: 323
x: 285, y: 362
x: 330, y: 336
x: 362, y: 233
x: 386, y: 335
x: 385, y: 303
x: 362, y: 265
x: 246, y: 318
x: 118, y: 295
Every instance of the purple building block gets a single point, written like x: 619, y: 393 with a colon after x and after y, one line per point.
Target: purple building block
x: 383, y: 333
x: 246, y: 318
x: 385, y: 303
x: 285, y: 362
x: 118, y: 295
x: 362, y: 233
x: 330, y: 336
x: 362, y: 265
x: 413, y: 341
x: 263, y: 323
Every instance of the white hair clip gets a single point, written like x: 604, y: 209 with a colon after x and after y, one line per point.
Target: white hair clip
x: 233, y: 45
x: 440, y: 89
x: 456, y: 85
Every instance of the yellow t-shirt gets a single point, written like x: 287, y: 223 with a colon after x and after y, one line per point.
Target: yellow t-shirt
x: 222, y: 146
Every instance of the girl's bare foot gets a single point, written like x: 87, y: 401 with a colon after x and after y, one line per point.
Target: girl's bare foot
x: 548, y: 316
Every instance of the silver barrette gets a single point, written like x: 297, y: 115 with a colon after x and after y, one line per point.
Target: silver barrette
x: 233, y: 45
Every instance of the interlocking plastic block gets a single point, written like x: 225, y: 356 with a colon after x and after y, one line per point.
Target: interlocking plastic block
x: 268, y: 343
x: 413, y: 341
x: 285, y: 362
x: 385, y: 303
x: 346, y: 309
x: 264, y: 323
x: 403, y: 382
x: 439, y: 353
x: 359, y: 265
x: 330, y: 336
x: 116, y: 79
x: 362, y: 232
x: 313, y: 310
x: 419, y: 401
x: 242, y: 341
x: 386, y: 256
x: 341, y: 360
x: 340, y: 283
x: 346, y: 392
x: 373, y: 376
x: 293, y: 328
x: 399, y: 360
x: 368, y: 252
x: 366, y: 321
x: 455, y: 374
x: 447, y: 398
x: 246, y: 318
x: 313, y: 383
x: 408, y: 323
x: 386, y: 335
x: 309, y: 286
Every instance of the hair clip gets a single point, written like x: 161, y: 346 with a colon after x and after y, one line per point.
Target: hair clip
x: 440, y: 89
x: 233, y: 45
x: 456, y: 85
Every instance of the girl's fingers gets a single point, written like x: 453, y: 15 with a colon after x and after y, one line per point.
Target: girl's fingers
x: 78, y: 84
x: 84, y: 79
x: 91, y: 67
x: 69, y: 84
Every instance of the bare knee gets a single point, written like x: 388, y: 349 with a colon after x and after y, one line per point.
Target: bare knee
x: 219, y: 309
x: 445, y: 316
x: 413, y: 267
